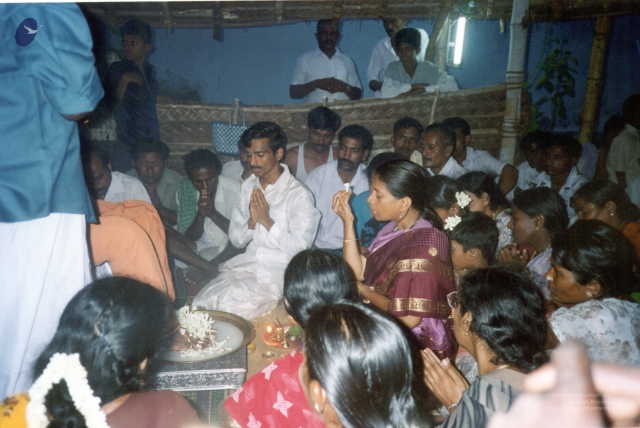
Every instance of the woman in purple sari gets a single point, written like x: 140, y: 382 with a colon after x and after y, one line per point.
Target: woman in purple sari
x: 408, y: 272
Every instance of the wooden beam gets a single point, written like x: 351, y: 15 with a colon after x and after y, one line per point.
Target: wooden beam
x: 594, y: 79
x: 216, y: 15
x: 514, y: 78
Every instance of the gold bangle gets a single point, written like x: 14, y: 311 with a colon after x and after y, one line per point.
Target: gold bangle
x: 366, y: 301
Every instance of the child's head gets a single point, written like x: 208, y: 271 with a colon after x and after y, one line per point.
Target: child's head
x: 533, y: 145
x: 136, y: 40
x: 563, y: 153
x: 473, y: 242
x: 441, y: 192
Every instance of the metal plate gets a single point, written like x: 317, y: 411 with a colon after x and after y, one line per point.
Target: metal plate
x: 236, y: 330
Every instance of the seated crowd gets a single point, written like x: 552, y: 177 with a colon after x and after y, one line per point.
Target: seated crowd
x: 429, y: 280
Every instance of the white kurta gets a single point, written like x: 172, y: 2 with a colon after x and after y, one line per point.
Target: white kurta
x: 250, y: 284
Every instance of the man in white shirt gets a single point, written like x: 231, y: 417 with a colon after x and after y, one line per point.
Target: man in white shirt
x: 384, y: 52
x: 205, y: 201
x: 561, y: 173
x: 112, y: 186
x: 237, y: 170
x: 325, y: 71
x: 322, y: 125
x: 623, y: 163
x: 274, y: 217
x: 480, y: 160
x: 534, y: 146
x: 408, y: 76
x: 405, y: 140
x: 438, y: 143
x: 150, y: 159
x: 354, y: 145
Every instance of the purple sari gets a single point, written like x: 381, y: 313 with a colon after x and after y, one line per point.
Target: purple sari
x: 412, y: 267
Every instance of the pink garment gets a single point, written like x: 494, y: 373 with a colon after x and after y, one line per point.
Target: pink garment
x: 274, y: 398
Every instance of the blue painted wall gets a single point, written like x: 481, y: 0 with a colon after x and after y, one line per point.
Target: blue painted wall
x: 256, y: 64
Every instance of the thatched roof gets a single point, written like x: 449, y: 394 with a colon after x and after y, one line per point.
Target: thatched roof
x: 227, y: 14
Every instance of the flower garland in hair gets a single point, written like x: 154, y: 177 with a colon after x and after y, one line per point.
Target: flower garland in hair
x: 69, y: 368
x: 463, y: 199
x: 451, y: 222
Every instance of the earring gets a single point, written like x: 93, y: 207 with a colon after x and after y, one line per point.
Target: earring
x: 317, y: 407
x: 466, y: 333
x: 611, y: 214
x: 537, y: 227
x: 589, y: 294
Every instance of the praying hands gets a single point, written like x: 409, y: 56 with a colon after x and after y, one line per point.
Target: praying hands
x: 259, y: 210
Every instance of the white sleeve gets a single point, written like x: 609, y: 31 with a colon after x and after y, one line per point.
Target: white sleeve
x: 375, y: 70
x: 299, y: 73
x: 446, y: 83
x: 137, y: 191
x: 239, y: 232
x: 424, y: 42
x: 490, y: 165
x: 299, y: 230
x: 391, y: 87
x: 352, y: 74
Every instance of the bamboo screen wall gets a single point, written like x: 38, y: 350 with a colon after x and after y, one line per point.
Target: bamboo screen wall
x: 185, y: 127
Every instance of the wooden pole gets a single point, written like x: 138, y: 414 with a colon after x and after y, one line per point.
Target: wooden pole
x: 216, y: 16
x: 436, y: 33
x: 514, y: 78
x: 594, y: 79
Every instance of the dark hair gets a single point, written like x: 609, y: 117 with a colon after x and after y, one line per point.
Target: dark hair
x: 410, y: 36
x: 404, y: 178
x: 593, y: 250
x: 631, y: 107
x: 508, y: 313
x: 88, y: 150
x: 313, y: 279
x: 362, y: 360
x: 615, y: 122
x: 201, y: 158
x: 137, y: 27
x: 150, y: 145
x: 379, y: 159
x: 476, y: 230
x: 545, y: 201
x: 407, y: 122
x: 441, y: 192
x: 571, y: 145
x: 599, y: 192
x: 275, y: 134
x: 327, y: 23
x: 358, y: 132
x: 540, y: 138
x: 458, y: 123
x: 323, y: 118
x: 114, y: 324
x: 447, y: 135
x: 477, y: 182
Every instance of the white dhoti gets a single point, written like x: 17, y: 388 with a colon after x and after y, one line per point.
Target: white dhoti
x: 43, y: 264
x: 240, y: 290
